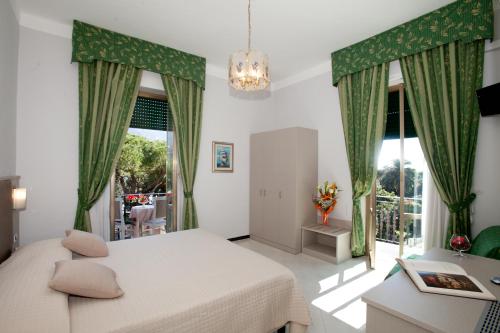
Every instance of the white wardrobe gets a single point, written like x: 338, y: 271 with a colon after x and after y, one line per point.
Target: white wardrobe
x: 283, y: 178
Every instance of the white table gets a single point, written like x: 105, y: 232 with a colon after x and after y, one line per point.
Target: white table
x: 141, y: 214
x: 397, y: 305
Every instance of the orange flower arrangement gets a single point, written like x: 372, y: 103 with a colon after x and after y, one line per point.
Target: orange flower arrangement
x: 326, y: 200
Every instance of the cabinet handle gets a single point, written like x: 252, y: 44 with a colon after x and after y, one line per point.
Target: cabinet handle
x: 279, y: 194
x: 264, y: 192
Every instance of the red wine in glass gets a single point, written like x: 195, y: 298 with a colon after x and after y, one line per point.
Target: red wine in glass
x: 460, y: 243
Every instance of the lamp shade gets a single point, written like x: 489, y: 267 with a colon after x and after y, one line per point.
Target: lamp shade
x: 249, y: 70
x: 19, y: 198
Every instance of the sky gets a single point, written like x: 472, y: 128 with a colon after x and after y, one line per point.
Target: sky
x: 150, y: 134
x: 413, y: 153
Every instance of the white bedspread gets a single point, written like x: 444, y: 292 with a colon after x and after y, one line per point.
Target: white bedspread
x: 27, y: 304
x: 192, y: 281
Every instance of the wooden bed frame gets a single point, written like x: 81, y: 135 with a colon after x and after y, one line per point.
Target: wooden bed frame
x: 9, y: 225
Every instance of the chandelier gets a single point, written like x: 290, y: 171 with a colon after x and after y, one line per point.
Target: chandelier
x: 249, y: 70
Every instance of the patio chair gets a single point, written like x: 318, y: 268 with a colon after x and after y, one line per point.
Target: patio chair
x: 160, y: 216
x: 121, y: 229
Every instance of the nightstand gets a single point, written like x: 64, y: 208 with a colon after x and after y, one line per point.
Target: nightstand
x: 326, y: 242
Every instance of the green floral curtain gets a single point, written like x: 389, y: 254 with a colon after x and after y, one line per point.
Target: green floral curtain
x: 107, y: 97
x: 363, y: 104
x: 441, y: 85
x: 186, y: 102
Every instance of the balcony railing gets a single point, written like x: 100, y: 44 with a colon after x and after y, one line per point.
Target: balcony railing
x: 387, y: 220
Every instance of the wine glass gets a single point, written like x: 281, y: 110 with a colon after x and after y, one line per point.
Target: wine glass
x: 460, y: 243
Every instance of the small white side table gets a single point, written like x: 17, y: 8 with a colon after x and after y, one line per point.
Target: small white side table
x: 326, y: 242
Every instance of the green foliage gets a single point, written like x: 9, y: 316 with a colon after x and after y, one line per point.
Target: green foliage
x: 385, y: 199
x: 389, y: 179
x: 142, y: 167
x: 388, y: 192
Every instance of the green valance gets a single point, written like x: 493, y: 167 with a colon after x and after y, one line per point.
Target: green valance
x: 465, y: 20
x: 93, y: 43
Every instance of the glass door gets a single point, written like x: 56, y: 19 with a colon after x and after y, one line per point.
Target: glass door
x: 397, y: 195
x: 145, y: 179
x: 171, y: 183
x: 412, y: 237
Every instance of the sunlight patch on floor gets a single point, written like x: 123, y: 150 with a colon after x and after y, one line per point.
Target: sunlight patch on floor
x: 354, y: 271
x: 328, y: 283
x: 353, y: 315
x: 347, y: 292
x: 334, y: 291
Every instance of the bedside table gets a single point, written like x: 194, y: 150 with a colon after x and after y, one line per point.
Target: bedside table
x: 326, y: 242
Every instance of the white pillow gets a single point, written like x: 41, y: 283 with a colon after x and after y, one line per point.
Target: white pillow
x: 28, y: 304
x: 85, y: 278
x: 85, y: 243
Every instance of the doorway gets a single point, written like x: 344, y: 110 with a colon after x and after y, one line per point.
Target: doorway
x: 397, y: 193
x: 144, y: 184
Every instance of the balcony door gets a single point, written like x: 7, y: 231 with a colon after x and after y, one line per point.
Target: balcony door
x: 396, y: 200
x: 144, y: 185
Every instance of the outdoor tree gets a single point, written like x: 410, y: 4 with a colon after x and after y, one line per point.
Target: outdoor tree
x: 142, y: 166
x: 389, y: 179
x: 388, y: 193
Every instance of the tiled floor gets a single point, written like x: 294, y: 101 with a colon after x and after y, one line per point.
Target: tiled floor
x: 332, y: 291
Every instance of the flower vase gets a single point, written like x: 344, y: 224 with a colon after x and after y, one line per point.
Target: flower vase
x: 326, y: 213
x: 324, y: 217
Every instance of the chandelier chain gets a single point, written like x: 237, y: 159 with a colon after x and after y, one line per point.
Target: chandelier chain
x: 249, y: 27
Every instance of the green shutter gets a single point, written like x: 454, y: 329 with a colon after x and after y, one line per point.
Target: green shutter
x: 392, y: 125
x: 153, y: 114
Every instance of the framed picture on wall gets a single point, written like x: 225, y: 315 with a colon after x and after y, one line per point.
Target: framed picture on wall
x: 222, y: 156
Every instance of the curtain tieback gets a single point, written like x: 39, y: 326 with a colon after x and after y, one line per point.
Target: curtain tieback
x: 188, y: 195
x: 461, y: 205
x: 82, y: 202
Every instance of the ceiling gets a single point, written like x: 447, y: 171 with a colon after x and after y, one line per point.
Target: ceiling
x: 296, y: 34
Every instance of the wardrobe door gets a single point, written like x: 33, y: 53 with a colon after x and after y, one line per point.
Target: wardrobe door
x: 269, y: 195
x: 307, y: 175
x: 284, y: 169
x: 257, y: 169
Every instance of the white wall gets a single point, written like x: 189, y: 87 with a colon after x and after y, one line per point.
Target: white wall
x: 222, y: 199
x: 486, y: 183
x: 47, y: 134
x: 315, y: 104
x: 9, y: 40
x: 47, y: 154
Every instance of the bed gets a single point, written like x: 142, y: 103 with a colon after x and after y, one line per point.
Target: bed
x: 189, y: 281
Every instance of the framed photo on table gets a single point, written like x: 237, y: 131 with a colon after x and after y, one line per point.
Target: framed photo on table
x: 222, y: 156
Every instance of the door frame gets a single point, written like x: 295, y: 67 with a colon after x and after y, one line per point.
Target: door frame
x: 401, y: 169
x: 371, y: 199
